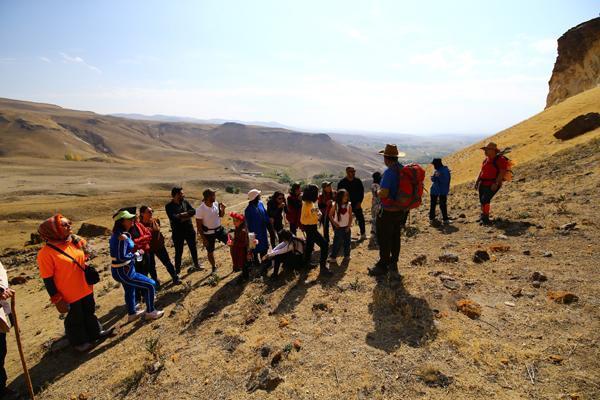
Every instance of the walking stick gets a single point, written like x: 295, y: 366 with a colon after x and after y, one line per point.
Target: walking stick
x: 20, y: 346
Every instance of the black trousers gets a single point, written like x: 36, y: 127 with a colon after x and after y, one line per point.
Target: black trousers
x: 313, y: 236
x: 164, y: 258
x: 326, y: 224
x: 486, y: 194
x: 3, y: 376
x: 443, y: 200
x: 81, y: 324
x: 179, y: 239
x: 360, y: 218
x: 389, y: 228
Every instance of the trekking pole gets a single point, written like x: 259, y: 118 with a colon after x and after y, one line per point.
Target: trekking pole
x: 20, y: 346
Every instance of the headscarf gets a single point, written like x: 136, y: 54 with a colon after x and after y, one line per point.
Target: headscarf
x: 51, y: 230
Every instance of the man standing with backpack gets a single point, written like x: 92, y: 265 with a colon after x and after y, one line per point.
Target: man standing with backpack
x: 392, y: 217
x: 494, y: 170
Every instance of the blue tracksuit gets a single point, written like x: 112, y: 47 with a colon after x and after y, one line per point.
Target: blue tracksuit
x: 123, y: 271
x: 441, y: 182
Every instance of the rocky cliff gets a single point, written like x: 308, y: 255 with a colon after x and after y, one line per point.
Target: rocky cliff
x: 577, y: 67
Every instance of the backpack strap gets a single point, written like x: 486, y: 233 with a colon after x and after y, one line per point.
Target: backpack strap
x: 65, y: 254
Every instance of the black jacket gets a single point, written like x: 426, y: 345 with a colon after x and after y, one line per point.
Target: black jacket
x: 355, y: 188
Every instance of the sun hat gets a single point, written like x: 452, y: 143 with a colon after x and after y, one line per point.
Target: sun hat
x: 208, y: 192
x: 391, y: 150
x: 491, y: 146
x: 123, y: 214
x: 253, y: 194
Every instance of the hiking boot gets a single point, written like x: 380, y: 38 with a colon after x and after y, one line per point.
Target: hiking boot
x: 325, y: 272
x: 378, y: 270
x: 447, y: 222
x: 107, y: 333
x: 82, y: 348
x: 485, y: 220
x: 393, y: 273
x: 156, y: 314
x: 133, y: 317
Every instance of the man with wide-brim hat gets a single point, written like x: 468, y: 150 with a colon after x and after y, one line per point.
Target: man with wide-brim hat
x: 490, y: 178
x: 208, y: 223
x: 391, y: 218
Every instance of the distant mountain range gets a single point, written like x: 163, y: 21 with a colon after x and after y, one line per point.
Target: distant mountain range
x: 213, y: 121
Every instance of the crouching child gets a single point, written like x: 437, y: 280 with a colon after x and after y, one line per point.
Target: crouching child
x: 289, y: 252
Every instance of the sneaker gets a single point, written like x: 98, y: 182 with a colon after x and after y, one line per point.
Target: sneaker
x: 133, y: 317
x: 156, y: 314
x: 447, y: 222
x: 83, y: 347
x: 378, y: 270
x: 107, y: 332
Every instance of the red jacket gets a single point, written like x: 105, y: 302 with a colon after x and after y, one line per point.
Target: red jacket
x: 239, y: 249
x: 294, y: 209
x: 141, y: 236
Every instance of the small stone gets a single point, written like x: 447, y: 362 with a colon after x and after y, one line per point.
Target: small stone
x: 452, y: 285
x: 265, y: 379
x: 297, y: 344
x: 462, y: 215
x: 265, y: 350
x: 536, y: 284
x: 504, y: 361
x: 568, y: 227
x: 218, y: 331
x: 518, y: 292
x: 419, y: 260
x: 276, y: 358
x: 562, y: 297
x: 556, y: 359
x: 448, y: 258
x: 527, y: 252
x: 509, y: 303
x: 499, y: 248
x: 502, y: 236
x: 434, y: 378
x: 547, y: 254
x: 18, y: 280
x: 468, y: 307
x: 538, y: 276
x: 283, y: 322
x: 320, y: 306
x: 481, y: 256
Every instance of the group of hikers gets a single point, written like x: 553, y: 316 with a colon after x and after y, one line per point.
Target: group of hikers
x: 281, y: 234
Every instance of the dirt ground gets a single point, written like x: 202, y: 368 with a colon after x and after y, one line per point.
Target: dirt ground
x: 352, y: 336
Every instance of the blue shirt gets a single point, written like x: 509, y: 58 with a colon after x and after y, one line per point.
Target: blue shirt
x: 389, y: 181
x: 441, y: 183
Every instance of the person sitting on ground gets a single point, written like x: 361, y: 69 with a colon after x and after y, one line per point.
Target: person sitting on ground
x: 276, y: 206
x: 440, y: 187
x: 324, y: 202
x: 257, y: 223
x: 5, y: 324
x: 157, y: 243
x: 490, y: 179
x: 294, y: 207
x: 123, y: 269
x: 180, y: 213
x: 289, y: 253
x: 241, y: 254
x: 309, y: 219
x: 375, y: 205
x: 355, y: 188
x: 62, y: 262
x: 208, y: 224
x: 341, y: 219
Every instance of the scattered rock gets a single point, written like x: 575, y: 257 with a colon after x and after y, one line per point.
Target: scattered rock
x: 578, y: 126
x: 547, y: 254
x: 297, y: 344
x: 230, y: 343
x: 536, y: 284
x: 155, y: 367
x: 481, y: 256
x: 451, y: 284
x: 276, y: 358
x: 419, y: 260
x: 265, y: 350
x: 502, y: 236
x: 556, y: 359
x: 509, y: 303
x: 468, y: 307
x: 562, y: 297
x: 320, y: 307
x: 434, y: 378
x: 18, y: 280
x: 92, y: 230
x: 516, y: 292
x: 538, y: 276
x: 218, y: 331
x: 462, y: 215
x: 265, y: 379
x: 283, y: 322
x: 568, y: 227
x: 527, y: 252
x: 449, y: 258
x: 250, y: 319
x: 499, y: 248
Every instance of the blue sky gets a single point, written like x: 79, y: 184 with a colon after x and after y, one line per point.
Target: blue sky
x: 385, y: 66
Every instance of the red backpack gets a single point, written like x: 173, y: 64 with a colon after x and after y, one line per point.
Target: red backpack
x: 410, y: 188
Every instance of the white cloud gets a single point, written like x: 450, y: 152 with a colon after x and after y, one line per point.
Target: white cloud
x: 78, y: 60
x: 45, y: 59
x: 545, y: 46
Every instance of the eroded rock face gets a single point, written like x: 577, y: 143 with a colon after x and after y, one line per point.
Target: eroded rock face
x: 577, y: 67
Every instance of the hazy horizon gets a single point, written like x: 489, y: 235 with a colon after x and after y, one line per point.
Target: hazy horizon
x: 382, y: 67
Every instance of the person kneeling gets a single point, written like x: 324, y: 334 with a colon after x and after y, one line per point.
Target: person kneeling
x: 289, y: 252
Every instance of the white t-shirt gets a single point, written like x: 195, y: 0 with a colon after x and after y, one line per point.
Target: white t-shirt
x: 344, y: 219
x: 209, y: 216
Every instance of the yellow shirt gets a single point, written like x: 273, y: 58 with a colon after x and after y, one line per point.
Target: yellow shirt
x: 309, y: 214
